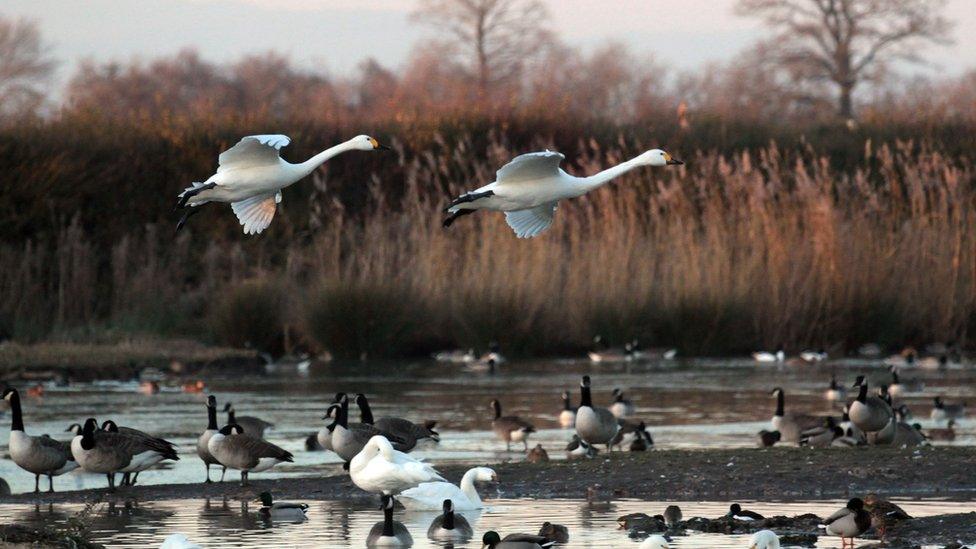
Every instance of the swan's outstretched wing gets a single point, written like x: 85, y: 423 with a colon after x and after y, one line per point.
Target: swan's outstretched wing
x: 256, y: 213
x: 531, y: 166
x: 253, y: 150
x: 531, y: 222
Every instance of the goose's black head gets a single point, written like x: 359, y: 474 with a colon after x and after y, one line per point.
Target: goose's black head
x: 211, y: 401
x: 448, y: 506
x: 91, y: 424
x: 855, y: 504
x: 231, y: 429
x: 266, y: 499
x: 9, y: 393
x: 859, y: 381
x: 585, y: 382
x: 386, y: 502
x: 339, y: 397
x: 361, y: 399
x: 330, y: 411
x: 491, y: 538
x: 109, y: 426
x: 228, y: 407
x: 776, y: 391
x: 73, y: 428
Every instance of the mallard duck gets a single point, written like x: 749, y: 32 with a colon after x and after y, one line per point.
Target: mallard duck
x: 942, y: 411
x: 555, y: 532
x: 491, y: 540
x: 948, y: 433
x: 449, y: 526
x: 672, y: 516
x: 766, y: 356
x: 578, y: 448
x: 813, y: 357
x: 537, y: 454
x: 883, y: 513
x: 849, y: 522
x: 738, y: 513
x: 281, y: 511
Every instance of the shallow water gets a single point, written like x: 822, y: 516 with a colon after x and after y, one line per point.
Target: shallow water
x: 685, y: 403
x: 338, y: 525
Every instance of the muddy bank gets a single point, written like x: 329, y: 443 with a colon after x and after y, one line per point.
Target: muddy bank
x: 13, y: 535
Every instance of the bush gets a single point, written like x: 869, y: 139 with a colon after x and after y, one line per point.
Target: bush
x: 251, y: 314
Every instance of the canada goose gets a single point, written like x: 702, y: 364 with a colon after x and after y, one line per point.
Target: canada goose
x: 900, y: 387
x: 39, y: 455
x: 405, y: 430
x: 491, y: 540
x: 643, y: 440
x: 672, y: 516
x: 813, y: 357
x: 766, y: 356
x: 942, y: 411
x: 835, y: 391
x: 567, y: 416
x: 109, y: 453
x: 790, y: 425
x: 324, y: 435
x: 656, y: 541
x: 884, y: 395
x: 449, y: 526
x: 554, y: 532
x: 430, y: 495
x: 378, y: 468
x: 883, y: 513
x: 768, y: 438
x: 594, y: 425
x: 736, y: 512
x: 348, y: 439
x: 537, y: 454
x: 764, y: 539
x: 235, y: 449
x: 821, y: 437
x: 948, y: 433
x: 163, y: 446
x: 849, y: 428
x: 253, y: 426
x: 907, y: 435
x: 621, y: 407
x: 510, y: 428
x: 388, y: 532
x: 849, y: 440
x: 868, y: 413
x: 456, y: 356
x: 281, y: 510
x: 849, y: 522
x: 578, y: 448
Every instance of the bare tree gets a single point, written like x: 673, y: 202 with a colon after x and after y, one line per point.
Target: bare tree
x: 24, y: 67
x: 842, y: 41
x: 496, y: 36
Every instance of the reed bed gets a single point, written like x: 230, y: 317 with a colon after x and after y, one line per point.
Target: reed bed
x: 763, y: 247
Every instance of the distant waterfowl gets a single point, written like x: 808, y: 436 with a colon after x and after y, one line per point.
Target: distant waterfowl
x: 883, y: 514
x: 639, y: 353
x: 738, y: 513
x: 900, y: 386
x: 834, y: 391
x: 348, y: 439
x: 494, y: 354
x: 431, y: 495
x: 251, y: 176
x: 604, y: 353
x: 823, y: 436
x: 942, y: 411
x: 814, y: 357
x: 178, y: 541
x: 402, y: 432
x: 281, y: 510
x: 510, y: 428
x: 194, y: 387
x: 849, y: 522
x: 672, y: 516
x: 655, y: 541
x: 110, y: 453
x: 164, y: 447
x: 932, y: 363
x: 235, y: 449
x: 790, y: 425
x: 567, y: 416
x: 554, y: 532
x: 578, y: 448
x: 947, y: 434
x: 868, y: 413
x: 769, y: 438
x: 149, y: 388
x: 388, y: 532
x: 40, y: 455
x: 849, y: 440
x: 378, y: 468
x: 457, y: 356
x: 621, y: 407
x: 642, y: 439
x: 766, y: 356
x: 488, y: 365
x: 593, y: 424
x: 449, y: 526
x: 906, y: 358
x: 491, y: 540
x: 529, y: 187
x: 764, y: 539
x: 253, y: 426
x: 869, y: 350
x: 537, y: 454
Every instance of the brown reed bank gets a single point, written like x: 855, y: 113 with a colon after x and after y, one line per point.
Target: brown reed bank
x: 754, y: 247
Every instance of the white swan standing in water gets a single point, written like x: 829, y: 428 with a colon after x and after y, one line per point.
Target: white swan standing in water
x: 528, y: 188
x: 251, y: 175
x: 430, y: 496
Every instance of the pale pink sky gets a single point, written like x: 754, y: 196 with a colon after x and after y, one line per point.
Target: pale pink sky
x: 337, y: 34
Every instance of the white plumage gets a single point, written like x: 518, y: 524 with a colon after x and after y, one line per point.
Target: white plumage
x: 431, y: 495
x: 655, y: 542
x: 764, y: 539
x: 380, y: 469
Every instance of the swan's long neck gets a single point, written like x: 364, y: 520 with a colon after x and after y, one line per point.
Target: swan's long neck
x: 467, y: 486
x: 311, y: 164
x: 604, y: 177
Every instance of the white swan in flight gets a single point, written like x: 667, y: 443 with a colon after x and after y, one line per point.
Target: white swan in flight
x: 251, y: 175
x: 528, y: 188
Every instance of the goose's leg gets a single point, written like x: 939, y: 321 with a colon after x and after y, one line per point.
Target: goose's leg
x: 37, y: 484
x: 187, y: 195
x: 243, y: 478
x: 508, y: 446
x: 470, y: 197
x: 50, y: 484
x: 111, y: 481
x: 449, y: 220
x: 135, y: 477
x: 525, y: 444
x: 222, y: 473
x: 125, y: 479
x: 208, y: 481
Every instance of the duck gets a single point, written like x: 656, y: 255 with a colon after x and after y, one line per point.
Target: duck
x: 491, y: 540
x: 510, y: 428
x: 931, y: 363
x: 823, y: 436
x: 378, y: 468
x: 790, y: 425
x: 849, y: 428
x: 835, y: 392
x: 765, y: 356
x: 868, y: 414
x: 35, y: 391
x: 251, y: 175
x: 906, y: 358
x: 621, y: 407
x: 764, y: 539
x: 165, y: 447
x: 529, y: 187
x: 606, y: 354
x: 324, y: 435
x: 554, y: 532
x: 235, y: 449
x: 942, y: 411
x: 202, y: 450
x: 253, y: 426
x: 178, y: 541
x: 655, y: 541
x: 736, y: 512
x: 672, y: 516
x: 494, y: 354
x: 281, y: 511
x: 948, y: 433
x: 883, y: 513
x: 430, y: 495
x: 813, y: 357
x: 578, y: 448
x: 769, y: 438
x: 457, y: 356
x: 405, y: 430
x: 109, y: 453
x: 900, y: 386
x: 489, y: 365
x: 567, y: 416
x: 348, y: 439
x: 594, y: 425
x: 149, y: 388
x: 869, y: 350
x: 388, y: 532
x: 849, y: 522
x: 449, y: 526
x: 849, y: 440
x: 194, y: 387
x: 639, y: 353
x: 642, y: 441
x: 40, y: 455
x: 537, y: 454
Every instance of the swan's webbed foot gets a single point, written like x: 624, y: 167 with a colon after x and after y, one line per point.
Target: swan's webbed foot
x: 470, y: 197
x: 449, y: 220
x: 187, y: 195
